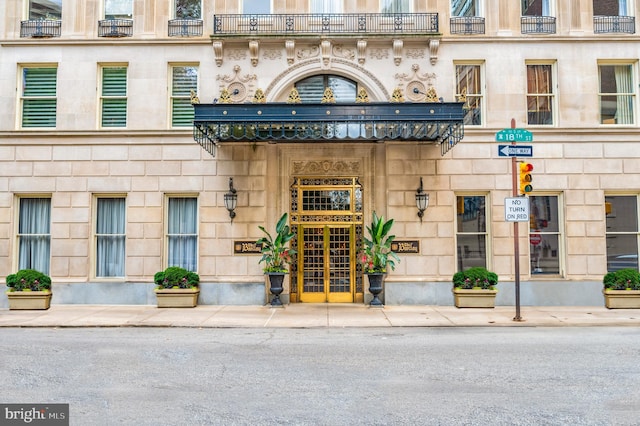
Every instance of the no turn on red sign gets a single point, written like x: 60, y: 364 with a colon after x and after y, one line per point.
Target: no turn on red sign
x: 516, y: 209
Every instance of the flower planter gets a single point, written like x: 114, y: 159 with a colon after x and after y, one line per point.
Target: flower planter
x: 177, y: 297
x: 376, y: 282
x: 29, y: 299
x: 621, y: 299
x: 474, y: 298
x: 276, y: 287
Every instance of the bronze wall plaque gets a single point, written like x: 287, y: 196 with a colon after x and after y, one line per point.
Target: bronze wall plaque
x: 246, y: 247
x: 405, y: 246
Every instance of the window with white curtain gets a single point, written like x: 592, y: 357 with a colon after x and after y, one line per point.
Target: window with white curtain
x: 182, y: 233
x: 118, y: 9
x: 395, y: 6
x: 34, y: 234
x: 540, y: 94
x: 184, y: 79
x: 617, y: 94
x: 325, y: 6
x: 110, y: 237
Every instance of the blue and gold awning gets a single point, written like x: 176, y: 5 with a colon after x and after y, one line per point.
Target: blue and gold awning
x: 440, y: 123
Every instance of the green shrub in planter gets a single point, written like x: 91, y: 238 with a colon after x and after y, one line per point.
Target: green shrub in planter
x: 477, y: 277
x: 28, y: 280
x: 623, y: 279
x: 176, y: 277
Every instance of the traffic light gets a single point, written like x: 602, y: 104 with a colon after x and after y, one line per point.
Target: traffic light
x: 525, y: 178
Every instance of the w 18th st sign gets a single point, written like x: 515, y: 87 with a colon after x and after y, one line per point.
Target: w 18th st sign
x: 516, y: 209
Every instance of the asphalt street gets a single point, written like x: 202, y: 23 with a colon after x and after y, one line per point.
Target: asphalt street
x: 327, y: 376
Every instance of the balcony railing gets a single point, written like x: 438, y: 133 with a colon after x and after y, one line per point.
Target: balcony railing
x: 185, y: 27
x: 538, y: 24
x: 115, y: 28
x: 40, y: 28
x: 614, y: 24
x: 343, y: 23
x: 467, y: 25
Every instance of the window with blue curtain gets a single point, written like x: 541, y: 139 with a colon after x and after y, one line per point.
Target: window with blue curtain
x: 114, y: 97
x: 39, y: 101
x: 110, y: 237
x: 182, y: 233
x: 183, y: 80
x: 34, y: 234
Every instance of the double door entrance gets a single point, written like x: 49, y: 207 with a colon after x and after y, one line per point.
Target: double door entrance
x: 326, y: 216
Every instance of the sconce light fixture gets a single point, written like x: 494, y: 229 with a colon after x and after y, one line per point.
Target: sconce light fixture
x: 422, y: 200
x: 231, y: 200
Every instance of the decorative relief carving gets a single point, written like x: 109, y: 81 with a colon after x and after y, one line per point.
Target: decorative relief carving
x: 237, y: 54
x: 325, y: 46
x: 434, y: 44
x: 290, y: 47
x: 341, y: 52
x: 254, y: 46
x: 218, y: 52
x: 308, y: 52
x: 236, y: 88
x: 326, y: 167
x: 416, y: 84
x: 272, y: 54
x: 379, y: 53
x: 397, y: 51
x: 415, y: 53
x: 362, y: 50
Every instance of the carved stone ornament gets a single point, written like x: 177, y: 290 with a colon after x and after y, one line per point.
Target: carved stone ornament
x: 254, y: 47
x: 362, y: 50
x: 326, y: 167
x: 237, y: 86
x: 397, y: 51
x: 218, y: 52
x: 290, y: 47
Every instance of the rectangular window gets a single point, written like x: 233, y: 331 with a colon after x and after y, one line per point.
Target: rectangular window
x: 118, y: 9
x: 544, y: 235
x: 469, y: 90
x: 395, y: 6
x: 536, y: 8
x: 326, y: 6
x: 39, y: 101
x: 622, y: 231
x: 184, y: 79
x: 34, y: 234
x: 471, y: 232
x: 45, y: 9
x: 540, y: 95
x: 114, y: 97
x: 251, y: 7
x: 617, y: 94
x: 462, y: 8
x: 188, y: 9
x: 110, y: 237
x: 611, y: 8
x: 182, y: 233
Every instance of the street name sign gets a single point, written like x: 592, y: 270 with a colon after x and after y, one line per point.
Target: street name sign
x: 516, y: 209
x: 514, y: 135
x: 515, y: 151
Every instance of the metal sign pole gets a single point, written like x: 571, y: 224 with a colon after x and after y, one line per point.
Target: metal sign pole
x: 516, y: 243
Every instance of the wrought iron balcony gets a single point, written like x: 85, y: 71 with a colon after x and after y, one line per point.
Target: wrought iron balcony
x: 614, y: 24
x: 467, y: 25
x: 334, y: 24
x: 40, y: 28
x: 115, y: 28
x: 185, y: 27
x: 441, y: 123
x: 538, y: 24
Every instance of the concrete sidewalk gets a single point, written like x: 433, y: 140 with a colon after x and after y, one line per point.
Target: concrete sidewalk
x: 315, y: 315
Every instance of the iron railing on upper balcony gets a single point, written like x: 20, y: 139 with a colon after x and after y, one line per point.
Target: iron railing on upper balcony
x: 614, y: 24
x: 185, y: 27
x: 115, y: 28
x: 467, y: 25
x: 40, y: 28
x: 538, y: 24
x: 342, y: 23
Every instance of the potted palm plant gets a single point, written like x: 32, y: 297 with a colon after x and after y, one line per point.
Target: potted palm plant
x: 622, y: 289
x: 29, y: 289
x: 376, y: 255
x: 475, y: 288
x: 277, y: 256
x: 177, y: 288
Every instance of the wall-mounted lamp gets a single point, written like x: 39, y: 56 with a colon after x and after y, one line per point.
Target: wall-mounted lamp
x: 231, y: 200
x: 422, y: 200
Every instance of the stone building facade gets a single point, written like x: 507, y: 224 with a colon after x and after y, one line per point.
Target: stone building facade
x: 96, y: 117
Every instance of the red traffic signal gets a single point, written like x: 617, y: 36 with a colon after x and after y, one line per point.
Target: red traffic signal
x: 525, y: 178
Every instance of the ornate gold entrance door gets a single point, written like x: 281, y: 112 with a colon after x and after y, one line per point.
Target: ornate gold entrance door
x: 326, y: 215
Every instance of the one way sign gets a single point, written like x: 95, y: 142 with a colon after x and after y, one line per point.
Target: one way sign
x: 515, y: 151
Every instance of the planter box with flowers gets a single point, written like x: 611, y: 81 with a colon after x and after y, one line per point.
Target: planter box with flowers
x: 622, y: 289
x: 376, y: 255
x: 277, y: 256
x: 475, y: 288
x: 177, y: 288
x: 29, y: 289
